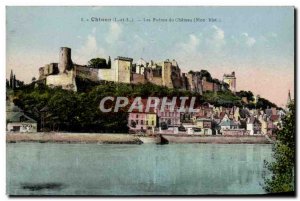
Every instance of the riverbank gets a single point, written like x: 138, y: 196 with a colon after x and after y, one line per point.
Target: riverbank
x: 84, y: 138
x: 168, y: 139
x: 109, y: 138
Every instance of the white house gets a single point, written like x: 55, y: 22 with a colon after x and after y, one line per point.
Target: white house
x: 254, y: 126
x: 17, y: 121
x: 228, y: 124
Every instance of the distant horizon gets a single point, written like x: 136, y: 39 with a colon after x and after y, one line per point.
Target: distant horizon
x: 247, y: 40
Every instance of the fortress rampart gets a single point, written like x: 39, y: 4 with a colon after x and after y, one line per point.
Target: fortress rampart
x: 166, y: 73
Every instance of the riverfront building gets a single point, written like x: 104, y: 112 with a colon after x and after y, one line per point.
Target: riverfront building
x: 17, y: 121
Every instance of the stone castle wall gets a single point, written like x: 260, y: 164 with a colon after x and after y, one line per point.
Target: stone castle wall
x: 207, y: 86
x: 166, y: 73
x: 65, y: 80
x: 157, y: 81
x: 87, y: 73
x: 138, y: 79
x: 108, y: 74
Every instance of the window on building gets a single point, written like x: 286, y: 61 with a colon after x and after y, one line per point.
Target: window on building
x: 152, y: 123
x: 137, y: 116
x: 142, y: 122
x: 16, y: 128
x: 133, y: 124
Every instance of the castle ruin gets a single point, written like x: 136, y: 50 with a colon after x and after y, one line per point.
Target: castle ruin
x: 122, y: 69
x: 230, y: 79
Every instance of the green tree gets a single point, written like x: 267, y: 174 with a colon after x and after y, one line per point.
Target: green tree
x: 248, y: 94
x: 205, y: 73
x: 98, y: 63
x: 263, y: 103
x: 283, y: 167
x: 109, y: 62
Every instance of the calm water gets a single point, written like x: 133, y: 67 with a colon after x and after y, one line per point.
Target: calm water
x: 148, y: 169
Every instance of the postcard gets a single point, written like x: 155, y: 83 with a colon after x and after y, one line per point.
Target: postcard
x: 150, y: 101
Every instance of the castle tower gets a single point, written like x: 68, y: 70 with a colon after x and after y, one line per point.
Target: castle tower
x: 166, y: 74
x: 123, y: 69
x: 65, y: 61
x: 230, y: 79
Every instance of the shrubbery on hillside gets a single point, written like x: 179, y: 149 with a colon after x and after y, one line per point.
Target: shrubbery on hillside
x: 78, y: 111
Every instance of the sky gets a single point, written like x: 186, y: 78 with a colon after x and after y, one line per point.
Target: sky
x: 255, y: 42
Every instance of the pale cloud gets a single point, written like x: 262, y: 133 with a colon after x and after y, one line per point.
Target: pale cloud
x: 192, y: 52
x: 93, y: 48
x: 94, y: 30
x: 187, y: 53
x: 215, y: 36
x: 139, y: 46
x: 115, y: 30
x: 191, y: 45
x: 243, y: 41
x: 89, y: 50
x: 247, y: 40
x: 268, y: 38
x: 217, y: 33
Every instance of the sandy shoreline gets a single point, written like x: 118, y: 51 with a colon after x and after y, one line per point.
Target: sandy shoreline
x: 73, y: 138
x: 97, y: 138
x: 168, y: 139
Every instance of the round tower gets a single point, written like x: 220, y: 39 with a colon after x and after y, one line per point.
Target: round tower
x: 65, y: 61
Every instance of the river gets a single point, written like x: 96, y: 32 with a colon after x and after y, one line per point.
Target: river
x: 147, y: 169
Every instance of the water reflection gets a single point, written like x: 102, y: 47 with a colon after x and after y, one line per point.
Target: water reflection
x: 174, y: 169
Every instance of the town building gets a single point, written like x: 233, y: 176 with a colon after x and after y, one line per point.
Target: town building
x: 137, y: 121
x: 169, y: 117
x: 228, y: 124
x: 254, y: 126
x: 205, y: 125
x: 143, y: 121
x: 17, y: 121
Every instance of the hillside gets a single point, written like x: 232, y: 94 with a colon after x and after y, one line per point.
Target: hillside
x: 78, y: 111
